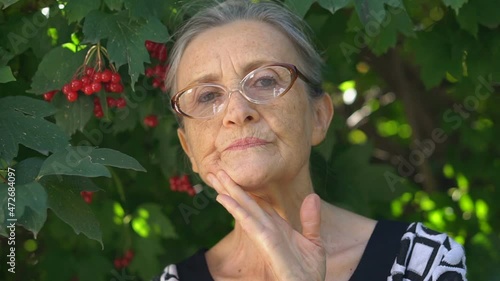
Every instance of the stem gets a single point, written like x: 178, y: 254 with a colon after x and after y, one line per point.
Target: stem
x: 106, y: 55
x: 119, y: 185
x: 99, y: 57
x: 3, y: 178
x: 90, y: 52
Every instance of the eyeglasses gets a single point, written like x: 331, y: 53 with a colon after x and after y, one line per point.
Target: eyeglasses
x: 260, y: 86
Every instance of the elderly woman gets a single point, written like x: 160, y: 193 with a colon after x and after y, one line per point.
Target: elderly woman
x: 246, y: 85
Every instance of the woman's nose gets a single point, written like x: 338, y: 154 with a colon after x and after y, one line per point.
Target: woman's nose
x: 239, y: 110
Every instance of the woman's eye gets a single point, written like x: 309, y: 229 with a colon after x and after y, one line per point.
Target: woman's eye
x: 265, y: 82
x: 207, y: 97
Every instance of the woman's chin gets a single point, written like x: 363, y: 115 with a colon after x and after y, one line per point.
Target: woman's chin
x: 249, y: 179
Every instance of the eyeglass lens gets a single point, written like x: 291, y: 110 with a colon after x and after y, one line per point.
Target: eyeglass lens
x: 259, y: 86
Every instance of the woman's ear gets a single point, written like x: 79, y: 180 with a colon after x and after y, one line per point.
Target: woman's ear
x: 185, y: 146
x: 323, y: 114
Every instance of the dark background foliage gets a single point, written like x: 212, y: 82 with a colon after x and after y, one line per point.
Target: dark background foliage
x: 415, y: 86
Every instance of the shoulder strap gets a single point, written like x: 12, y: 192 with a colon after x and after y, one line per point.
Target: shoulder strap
x: 380, y: 252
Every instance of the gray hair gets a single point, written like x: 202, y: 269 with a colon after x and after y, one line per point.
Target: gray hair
x: 233, y: 10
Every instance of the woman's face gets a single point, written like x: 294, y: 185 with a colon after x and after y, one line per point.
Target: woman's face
x: 254, y: 144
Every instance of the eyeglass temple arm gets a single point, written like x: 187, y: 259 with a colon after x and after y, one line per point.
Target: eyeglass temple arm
x: 316, y: 88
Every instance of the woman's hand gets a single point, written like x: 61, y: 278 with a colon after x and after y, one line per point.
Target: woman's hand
x: 290, y: 254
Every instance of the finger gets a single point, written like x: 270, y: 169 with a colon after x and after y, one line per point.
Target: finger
x: 250, y: 224
x: 310, y: 217
x: 242, y: 197
x: 216, y: 184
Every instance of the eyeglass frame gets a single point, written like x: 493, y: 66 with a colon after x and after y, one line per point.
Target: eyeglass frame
x: 294, y: 71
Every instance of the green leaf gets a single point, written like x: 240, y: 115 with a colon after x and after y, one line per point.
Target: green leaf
x: 487, y: 13
x: 6, y: 3
x: 435, y: 64
x: 397, y: 21
x: 300, y: 7
x: 126, y: 37
x: 374, y: 10
x: 65, y: 200
x: 455, y: 4
x: 78, y: 9
x: 56, y: 69
x: 6, y: 74
x: 73, y: 116
x: 5, y: 56
x: 116, y: 5
x: 30, y: 195
x: 467, y: 19
x: 21, y: 122
x: 31, y: 198
x: 27, y: 170
x: 87, y: 161
x: 334, y: 5
x: 154, y: 8
x: 32, y: 220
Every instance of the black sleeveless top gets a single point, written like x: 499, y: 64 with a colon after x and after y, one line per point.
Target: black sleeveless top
x: 395, y: 251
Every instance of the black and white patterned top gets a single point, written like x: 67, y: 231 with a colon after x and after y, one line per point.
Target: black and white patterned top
x: 395, y: 252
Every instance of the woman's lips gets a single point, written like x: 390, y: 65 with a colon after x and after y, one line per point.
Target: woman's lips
x: 245, y: 143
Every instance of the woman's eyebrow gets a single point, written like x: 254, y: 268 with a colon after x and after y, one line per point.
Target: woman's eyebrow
x: 212, y: 77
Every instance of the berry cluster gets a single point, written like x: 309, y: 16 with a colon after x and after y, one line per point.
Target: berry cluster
x: 111, y: 102
x: 157, y: 72
x: 89, y: 83
x: 151, y: 120
x: 87, y: 196
x: 182, y: 184
x: 124, y: 261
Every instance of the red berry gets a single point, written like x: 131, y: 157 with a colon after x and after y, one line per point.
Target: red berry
x: 116, y: 87
x: 97, y: 101
x: 97, y: 77
x: 151, y: 120
x: 156, y: 83
x: 162, y: 53
x: 121, y: 102
x: 87, y: 196
x: 96, y: 87
x: 49, y: 95
x: 129, y: 255
x: 149, y: 72
x: 111, y: 102
x: 106, y: 76
x: 76, y: 85
x: 89, y: 71
x: 116, y: 78
x: 118, y: 263
x: 66, y: 89
x: 98, y: 112
x: 86, y: 80
x: 88, y: 90
x: 150, y: 45
x: 125, y: 262
x: 159, y: 70
x: 185, y: 179
x: 72, y: 96
x: 191, y: 192
x: 173, y: 182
